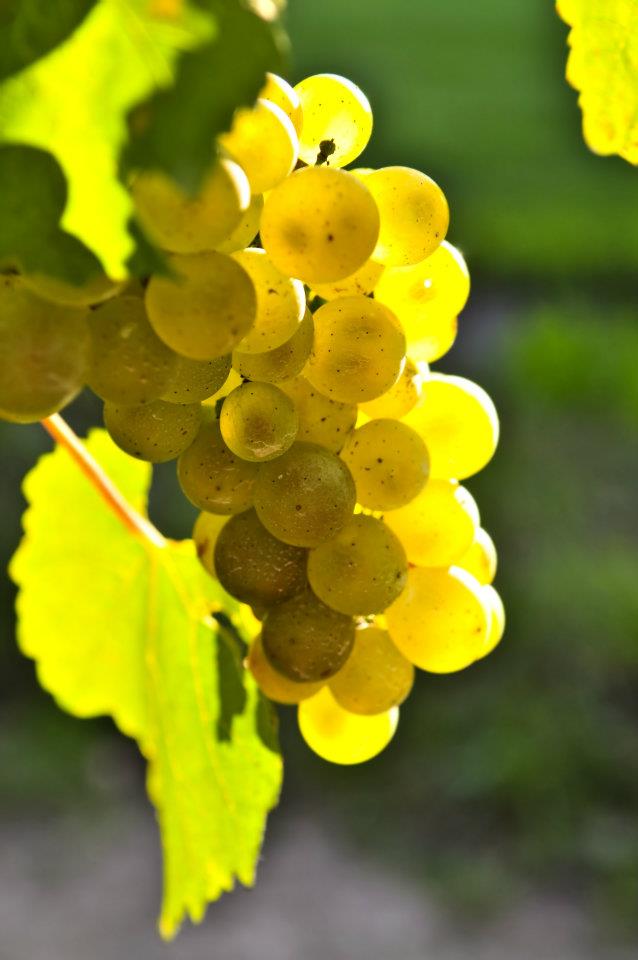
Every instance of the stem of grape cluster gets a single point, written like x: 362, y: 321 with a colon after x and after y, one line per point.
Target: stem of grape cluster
x: 134, y: 522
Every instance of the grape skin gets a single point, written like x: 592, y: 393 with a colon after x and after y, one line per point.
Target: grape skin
x: 264, y: 143
x: 480, y: 558
x: 375, y: 677
x: 258, y: 422
x: 282, y: 363
x: 402, y: 395
x: 342, y: 737
x: 321, y: 420
x: 246, y: 230
x: 281, y: 302
x: 360, y: 283
x: 206, y: 529
x: 437, y: 527
x: 212, y: 477
x: 497, y: 622
x: 155, y: 431
x: 271, y: 683
x: 336, y: 111
x: 414, y: 215
x: 279, y: 92
x: 192, y: 381
x: 389, y: 462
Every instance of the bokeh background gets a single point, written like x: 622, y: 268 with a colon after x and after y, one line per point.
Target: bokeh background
x: 503, y: 819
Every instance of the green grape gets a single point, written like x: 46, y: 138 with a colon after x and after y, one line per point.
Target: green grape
x: 258, y: 422
x: 206, y: 308
x: 358, y: 350
x: 459, y: 424
x: 441, y: 620
x: 337, y: 120
x: 305, y: 496
x: 339, y: 736
x: 129, y: 364
x: 233, y: 380
x: 264, y: 143
x: 205, y: 532
x: 212, y: 477
x: 437, y: 527
x: 177, y: 221
x: 271, y: 683
x: 44, y: 351
x: 359, y: 284
x: 305, y: 640
x: 283, y: 362
x: 375, y: 677
x: 95, y: 290
x: 192, y: 381
x: 497, y: 621
x: 279, y: 92
x: 246, y: 230
x: 319, y: 225
x: 155, y: 431
x: 255, y: 567
x: 402, y: 395
x: 414, y: 215
x: 281, y: 302
x: 389, y: 463
x: 362, y: 570
x: 480, y: 557
x: 321, y: 420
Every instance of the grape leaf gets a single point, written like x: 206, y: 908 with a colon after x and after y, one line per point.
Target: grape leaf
x: 118, y: 625
x: 30, y: 28
x: 603, y: 67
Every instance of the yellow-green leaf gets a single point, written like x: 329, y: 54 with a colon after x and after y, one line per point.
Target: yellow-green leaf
x: 123, y: 626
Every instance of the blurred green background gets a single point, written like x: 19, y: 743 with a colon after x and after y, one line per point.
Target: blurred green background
x: 521, y: 772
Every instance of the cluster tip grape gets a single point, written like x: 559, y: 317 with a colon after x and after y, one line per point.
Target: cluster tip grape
x: 284, y: 362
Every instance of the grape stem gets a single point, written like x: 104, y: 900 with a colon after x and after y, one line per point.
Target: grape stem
x: 134, y: 522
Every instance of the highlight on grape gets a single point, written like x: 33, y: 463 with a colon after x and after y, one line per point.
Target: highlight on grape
x: 284, y: 362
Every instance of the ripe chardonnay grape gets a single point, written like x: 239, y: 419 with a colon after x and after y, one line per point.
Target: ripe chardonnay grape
x: 339, y: 736
x: 281, y: 302
x: 264, y: 143
x: 305, y: 640
x: 246, y: 230
x: 205, y: 532
x: 480, y: 557
x: 375, y: 677
x: 414, y: 215
x: 321, y: 420
x: 279, y: 92
x: 497, y: 622
x: 282, y: 363
x: 155, y: 431
x: 402, y: 395
x: 389, y: 462
x: 273, y: 684
x: 361, y: 283
x: 337, y: 120
x: 192, y: 381
x: 258, y: 422
x: 435, y: 288
x: 212, y: 476
x: 437, y: 527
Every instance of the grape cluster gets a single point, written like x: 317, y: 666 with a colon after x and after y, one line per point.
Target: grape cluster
x: 283, y: 358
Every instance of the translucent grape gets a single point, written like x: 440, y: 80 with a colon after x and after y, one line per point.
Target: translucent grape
x: 305, y: 640
x: 459, y: 424
x: 435, y: 289
x: 375, y: 677
x: 319, y: 225
x: 194, y: 380
x: 246, y: 230
x: 234, y: 380
x: 480, y: 557
x: 321, y: 420
x: 358, y: 350
x: 434, y: 339
x: 402, y: 395
x: 264, y: 143
x: 44, y: 351
x: 212, y: 477
x: 437, y: 527
x: 129, y: 364
x: 283, y: 362
x: 155, y: 431
x: 361, y: 283
x: 205, y: 532
x: 441, y: 620
x: 191, y: 224
x: 206, y: 308
x: 414, y: 215
x: 389, y: 462
x: 279, y: 92
x: 497, y: 622
x: 305, y: 496
x: 337, y: 120
x: 258, y: 422
x: 95, y: 290
x: 255, y: 567
x: 281, y: 302
x: 275, y: 686
x: 361, y: 570
x: 342, y: 737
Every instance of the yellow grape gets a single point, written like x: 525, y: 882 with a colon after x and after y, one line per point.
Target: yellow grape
x: 321, y: 420
x: 282, y: 363
x: 95, y: 290
x: 434, y: 289
x: 337, y: 120
x: 358, y: 350
x: 279, y: 92
x: 441, y: 620
x: 402, y: 395
x: 437, y: 527
x: 459, y: 424
x: 274, y: 685
x: 434, y: 340
x: 264, y: 143
x: 192, y: 381
x: 342, y: 737
x: 212, y: 477
x: 258, y: 422
x: 375, y: 677
x: 480, y: 557
x: 389, y: 463
x: 360, y: 283
x: 177, y: 221
x: 414, y: 215
x: 497, y: 622
x: 233, y: 380
x: 205, y: 532
x: 319, y: 225
x: 281, y: 302
x: 306, y: 640
x: 246, y: 230
x: 155, y: 431
x: 206, y: 308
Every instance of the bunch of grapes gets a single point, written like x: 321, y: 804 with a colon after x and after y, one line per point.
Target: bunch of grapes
x: 283, y: 358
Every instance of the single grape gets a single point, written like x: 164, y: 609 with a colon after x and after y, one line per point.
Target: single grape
x: 339, y: 736
x: 459, y: 424
x: 279, y: 92
x: 480, y: 557
x: 205, y: 532
x: 44, y: 350
x: 281, y: 302
x: 246, y: 230
x: 176, y: 221
x: 497, y: 622
x: 255, y: 567
x: 234, y: 380
x: 212, y: 477
x: 305, y: 640
x: 95, y: 290
x: 271, y: 683
x: 258, y: 422
x: 264, y: 143
x: 192, y: 381
x: 414, y: 215
x: 155, y: 431
x: 305, y: 496
x: 205, y: 309
x: 361, y: 283
x: 358, y: 350
x: 389, y: 462
x: 375, y: 677
x: 437, y: 527
x: 441, y: 620
x: 361, y: 570
x: 321, y: 420
x: 402, y: 395
x: 337, y: 120
x: 434, y: 339
x: 283, y: 362
x: 319, y: 225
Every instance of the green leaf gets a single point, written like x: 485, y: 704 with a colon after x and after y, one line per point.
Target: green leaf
x: 30, y: 28
x: 122, y: 626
